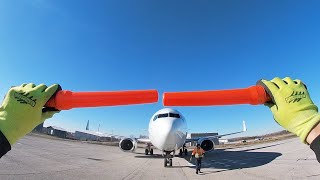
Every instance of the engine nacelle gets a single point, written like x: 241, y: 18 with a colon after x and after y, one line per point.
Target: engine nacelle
x: 128, y: 144
x: 206, y: 144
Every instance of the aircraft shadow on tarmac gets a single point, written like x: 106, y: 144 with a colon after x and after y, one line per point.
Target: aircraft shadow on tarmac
x: 154, y: 156
x: 224, y: 160
x: 229, y: 160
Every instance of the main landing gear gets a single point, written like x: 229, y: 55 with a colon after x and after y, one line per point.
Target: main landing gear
x: 168, y: 158
x: 148, y: 150
x: 183, y: 151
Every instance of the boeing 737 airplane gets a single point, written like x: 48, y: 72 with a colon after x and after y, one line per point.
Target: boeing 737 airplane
x: 168, y: 133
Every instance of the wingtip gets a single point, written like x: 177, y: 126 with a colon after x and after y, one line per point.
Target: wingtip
x: 244, y: 126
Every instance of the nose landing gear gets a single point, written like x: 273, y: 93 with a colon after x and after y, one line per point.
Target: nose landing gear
x: 168, y: 158
x: 148, y: 150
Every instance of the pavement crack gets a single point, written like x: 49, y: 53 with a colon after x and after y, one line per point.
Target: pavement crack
x: 313, y: 175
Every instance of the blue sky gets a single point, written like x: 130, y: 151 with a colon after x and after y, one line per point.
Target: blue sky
x: 164, y: 45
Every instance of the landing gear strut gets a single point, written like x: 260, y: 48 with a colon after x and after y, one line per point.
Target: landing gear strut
x: 148, y: 150
x: 183, y: 150
x: 168, y: 158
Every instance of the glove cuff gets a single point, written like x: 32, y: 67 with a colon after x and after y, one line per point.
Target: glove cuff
x: 308, y: 124
x: 4, y: 145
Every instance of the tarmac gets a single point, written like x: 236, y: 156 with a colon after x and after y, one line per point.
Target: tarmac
x: 40, y: 158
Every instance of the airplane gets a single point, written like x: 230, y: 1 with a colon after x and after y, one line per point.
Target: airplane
x: 168, y: 133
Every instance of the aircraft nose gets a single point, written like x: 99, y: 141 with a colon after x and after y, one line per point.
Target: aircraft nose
x: 170, y: 134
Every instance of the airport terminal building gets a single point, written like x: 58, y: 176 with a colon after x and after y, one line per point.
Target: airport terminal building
x: 92, y: 136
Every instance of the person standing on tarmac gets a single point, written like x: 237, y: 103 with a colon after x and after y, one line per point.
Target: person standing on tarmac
x: 198, y: 153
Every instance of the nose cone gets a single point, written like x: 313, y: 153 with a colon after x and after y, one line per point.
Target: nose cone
x: 172, y: 134
x: 169, y: 135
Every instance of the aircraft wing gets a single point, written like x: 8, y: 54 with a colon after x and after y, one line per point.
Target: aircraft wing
x: 218, y: 136
x: 142, y: 140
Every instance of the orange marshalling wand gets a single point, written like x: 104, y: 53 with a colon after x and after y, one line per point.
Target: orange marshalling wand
x: 253, y: 95
x: 64, y: 100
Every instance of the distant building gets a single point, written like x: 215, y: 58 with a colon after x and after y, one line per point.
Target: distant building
x: 38, y: 128
x: 57, y: 131
x: 91, y: 136
x: 44, y: 130
x: 70, y: 135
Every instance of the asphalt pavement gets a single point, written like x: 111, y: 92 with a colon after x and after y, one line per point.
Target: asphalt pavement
x: 41, y: 158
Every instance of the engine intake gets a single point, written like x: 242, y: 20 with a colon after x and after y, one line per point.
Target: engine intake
x: 128, y: 144
x: 206, y: 144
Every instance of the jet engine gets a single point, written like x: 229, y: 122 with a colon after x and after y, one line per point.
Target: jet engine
x: 128, y: 144
x: 206, y: 144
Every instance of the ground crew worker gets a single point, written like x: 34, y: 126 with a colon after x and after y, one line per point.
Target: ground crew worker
x: 198, y: 153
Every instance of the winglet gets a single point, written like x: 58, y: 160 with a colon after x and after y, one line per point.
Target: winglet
x: 244, y: 126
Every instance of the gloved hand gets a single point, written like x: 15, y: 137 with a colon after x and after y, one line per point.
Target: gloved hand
x: 291, y: 105
x: 22, y: 109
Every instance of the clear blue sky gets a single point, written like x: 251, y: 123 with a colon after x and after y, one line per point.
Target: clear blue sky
x: 164, y: 45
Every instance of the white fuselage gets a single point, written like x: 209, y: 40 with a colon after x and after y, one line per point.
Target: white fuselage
x: 167, y: 132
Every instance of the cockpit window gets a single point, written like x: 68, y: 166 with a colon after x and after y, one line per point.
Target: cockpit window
x: 174, y: 115
x: 155, y: 117
x: 163, y: 115
x: 166, y: 115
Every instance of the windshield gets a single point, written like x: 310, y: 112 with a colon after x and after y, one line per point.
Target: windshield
x: 163, y: 115
x: 174, y: 115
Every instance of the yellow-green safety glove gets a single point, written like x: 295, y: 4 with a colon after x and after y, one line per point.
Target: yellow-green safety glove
x: 22, y: 109
x: 291, y: 105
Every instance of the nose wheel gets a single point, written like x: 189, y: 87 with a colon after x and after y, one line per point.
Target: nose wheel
x: 167, y: 162
x: 168, y: 158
